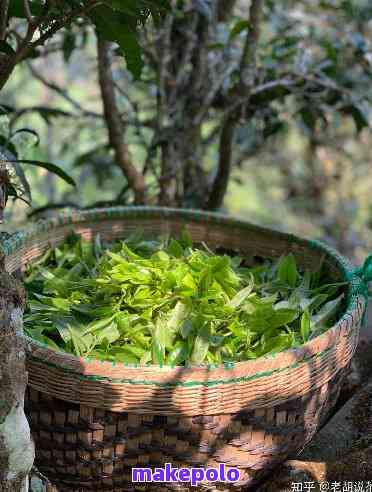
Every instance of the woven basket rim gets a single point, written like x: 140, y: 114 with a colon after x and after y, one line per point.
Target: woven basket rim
x: 185, y: 375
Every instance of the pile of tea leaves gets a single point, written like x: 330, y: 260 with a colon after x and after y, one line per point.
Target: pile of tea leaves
x: 142, y: 301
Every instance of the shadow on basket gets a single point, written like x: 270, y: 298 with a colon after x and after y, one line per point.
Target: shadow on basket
x: 81, y: 448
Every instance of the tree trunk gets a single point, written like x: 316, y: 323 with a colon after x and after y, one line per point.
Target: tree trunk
x: 195, y: 183
x: 183, y: 182
x: 225, y: 9
x: 6, y: 69
x: 115, y: 127
x: 171, y: 168
x: 221, y: 181
x: 16, y: 446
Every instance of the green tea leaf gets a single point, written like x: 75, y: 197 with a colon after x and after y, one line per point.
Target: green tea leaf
x: 62, y: 325
x: 305, y: 326
x: 282, y: 317
x: 186, y: 239
x: 109, y: 334
x: 205, y: 282
x: 146, y: 358
x: 142, y: 301
x: 287, y: 270
x: 177, y: 316
x: 179, y: 354
x: 98, y: 325
x: 201, y: 347
x: 186, y: 328
x: 326, y: 312
x: 175, y: 249
x: 241, y: 296
x: 158, y: 352
x: 239, y: 27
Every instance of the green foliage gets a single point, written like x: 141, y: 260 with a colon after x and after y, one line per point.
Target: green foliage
x: 17, y: 9
x: 238, y: 28
x: 49, y: 167
x: 313, y: 74
x: 6, y: 48
x: 166, y: 302
x: 115, y: 27
x: 114, y: 20
x: 117, y: 21
x: 10, y: 147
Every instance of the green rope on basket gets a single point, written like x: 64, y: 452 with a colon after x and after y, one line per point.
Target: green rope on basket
x: 360, y: 278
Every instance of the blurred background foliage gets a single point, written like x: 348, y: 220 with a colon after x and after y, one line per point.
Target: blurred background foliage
x: 262, y: 110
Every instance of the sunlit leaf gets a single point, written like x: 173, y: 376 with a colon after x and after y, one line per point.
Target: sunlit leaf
x: 49, y: 167
x: 141, y: 301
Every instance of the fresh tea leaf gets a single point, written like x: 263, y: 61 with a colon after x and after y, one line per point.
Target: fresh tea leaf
x: 240, y: 297
x: 142, y: 301
x: 287, y: 270
x: 201, y: 347
x: 305, y: 325
x: 326, y: 312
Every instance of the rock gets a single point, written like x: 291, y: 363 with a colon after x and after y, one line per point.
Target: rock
x: 284, y: 477
x: 341, y: 451
x: 355, y: 466
x: 361, y: 366
x: 362, y: 360
x: 39, y: 483
x: 350, y: 427
x: 366, y: 331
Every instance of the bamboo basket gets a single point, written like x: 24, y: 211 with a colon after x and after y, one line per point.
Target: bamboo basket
x: 93, y: 421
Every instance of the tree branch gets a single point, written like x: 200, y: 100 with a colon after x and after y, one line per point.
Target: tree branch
x: 221, y: 180
x: 62, y: 92
x: 26, y: 8
x: 225, y: 9
x: 4, y: 18
x: 115, y: 127
x: 4, y: 184
x: 26, y: 45
x: 33, y: 25
x: 248, y: 69
x: 248, y: 63
x: 58, y: 24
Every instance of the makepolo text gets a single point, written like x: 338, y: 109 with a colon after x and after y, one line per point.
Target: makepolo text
x: 191, y: 475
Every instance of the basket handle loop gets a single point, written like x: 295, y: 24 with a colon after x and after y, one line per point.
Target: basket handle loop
x: 365, y: 271
x: 360, y: 278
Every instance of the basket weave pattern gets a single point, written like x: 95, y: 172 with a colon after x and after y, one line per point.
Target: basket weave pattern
x: 93, y: 421
x: 85, y: 448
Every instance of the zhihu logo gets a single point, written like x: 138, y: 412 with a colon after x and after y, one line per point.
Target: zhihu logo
x: 190, y: 475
